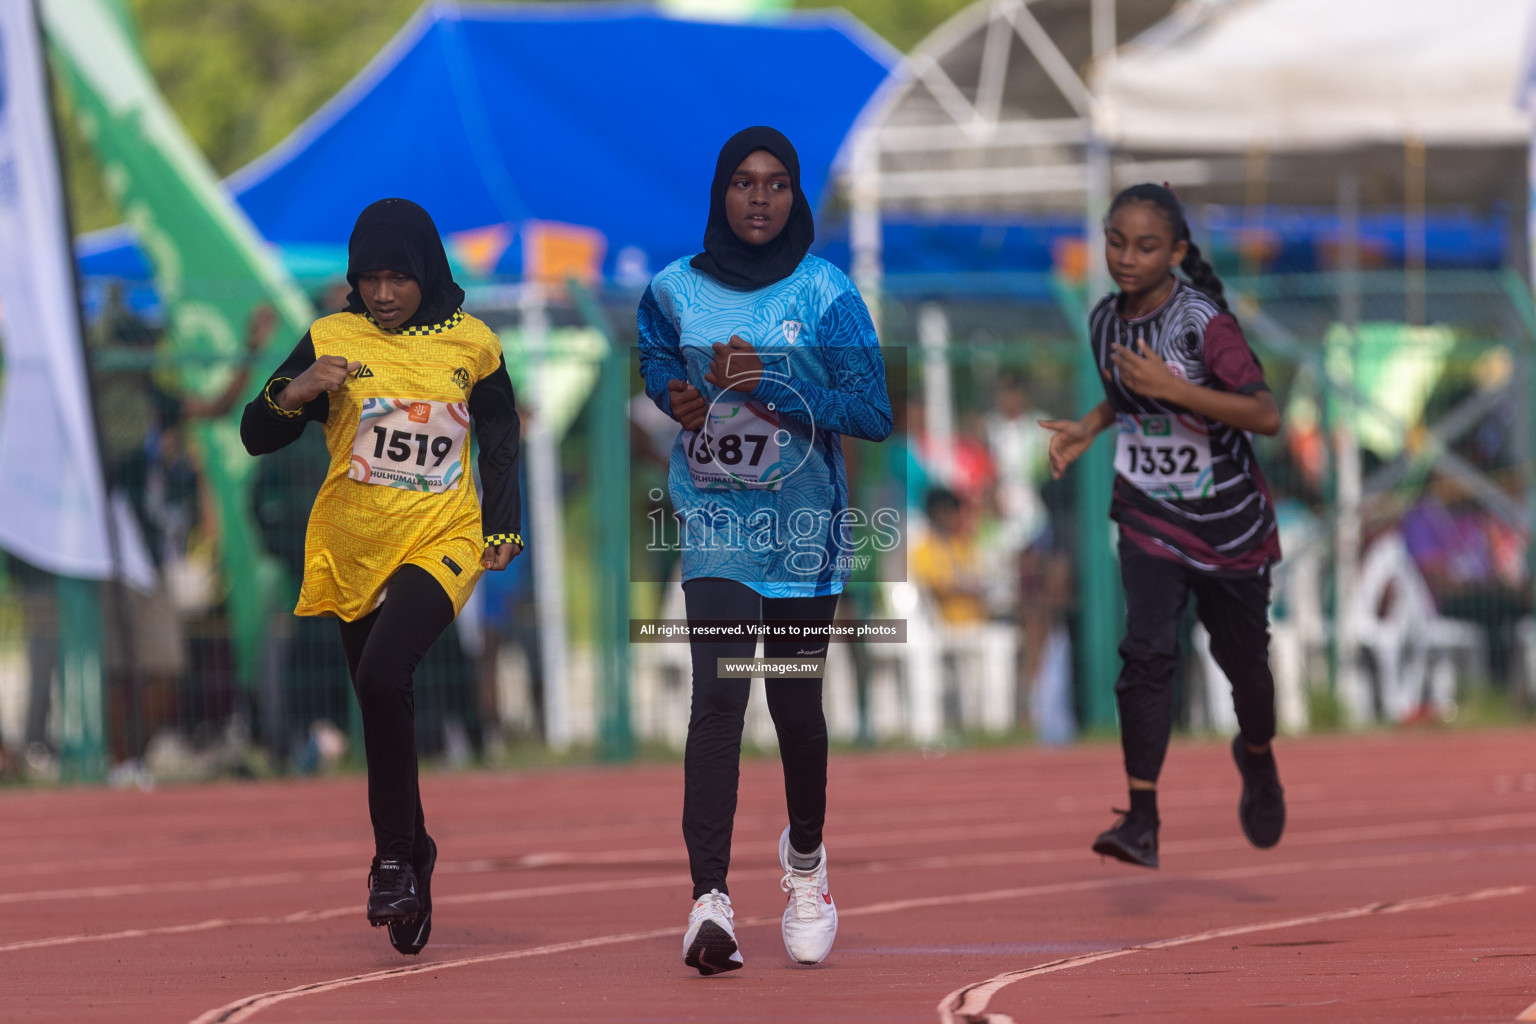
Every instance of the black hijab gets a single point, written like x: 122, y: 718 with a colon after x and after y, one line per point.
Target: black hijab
x: 739, y: 264
x: 396, y: 234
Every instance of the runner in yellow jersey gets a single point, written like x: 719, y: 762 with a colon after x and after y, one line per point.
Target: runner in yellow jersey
x: 397, y: 537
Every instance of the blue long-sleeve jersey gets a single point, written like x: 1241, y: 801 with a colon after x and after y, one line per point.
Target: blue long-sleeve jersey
x: 760, y: 491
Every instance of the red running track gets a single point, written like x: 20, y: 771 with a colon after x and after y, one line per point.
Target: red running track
x: 1403, y: 891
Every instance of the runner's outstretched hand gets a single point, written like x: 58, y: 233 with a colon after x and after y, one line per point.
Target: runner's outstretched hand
x: 1069, y: 439
x: 328, y: 373
x: 498, y: 556
x: 688, y: 406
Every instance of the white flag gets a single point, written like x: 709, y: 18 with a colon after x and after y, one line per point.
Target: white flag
x: 52, y: 511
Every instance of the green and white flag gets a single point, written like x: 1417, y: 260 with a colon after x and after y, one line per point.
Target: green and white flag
x: 54, y: 506
x: 211, y: 268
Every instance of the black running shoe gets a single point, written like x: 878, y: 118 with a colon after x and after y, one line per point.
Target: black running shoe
x: 1262, y: 807
x: 411, y: 937
x: 392, y: 892
x: 1133, y: 840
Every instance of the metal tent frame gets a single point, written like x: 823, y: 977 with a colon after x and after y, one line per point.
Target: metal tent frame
x: 996, y: 110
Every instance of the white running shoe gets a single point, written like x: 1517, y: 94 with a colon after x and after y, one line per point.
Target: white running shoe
x: 710, y: 942
x: 810, y: 918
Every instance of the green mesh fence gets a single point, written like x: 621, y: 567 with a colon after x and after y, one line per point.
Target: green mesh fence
x: 1440, y: 416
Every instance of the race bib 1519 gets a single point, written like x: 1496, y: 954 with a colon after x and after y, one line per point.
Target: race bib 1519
x: 410, y: 444
x: 1168, y: 457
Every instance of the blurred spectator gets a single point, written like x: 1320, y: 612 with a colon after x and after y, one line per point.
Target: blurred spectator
x: 148, y: 461
x: 40, y: 623
x: 652, y: 434
x: 1475, y: 565
x: 1020, y: 453
x: 143, y: 646
x: 946, y: 561
x: 913, y: 452
x: 333, y: 298
x: 1041, y: 572
x: 304, y: 676
x: 510, y: 619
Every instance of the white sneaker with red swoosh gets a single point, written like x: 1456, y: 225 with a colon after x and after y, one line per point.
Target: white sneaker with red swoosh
x: 810, y: 918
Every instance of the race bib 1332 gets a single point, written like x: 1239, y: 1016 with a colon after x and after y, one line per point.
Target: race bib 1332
x: 1166, y: 456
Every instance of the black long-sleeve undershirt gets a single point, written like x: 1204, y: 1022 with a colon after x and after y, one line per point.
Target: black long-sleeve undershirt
x: 498, y: 429
x: 492, y: 408
x: 262, y: 430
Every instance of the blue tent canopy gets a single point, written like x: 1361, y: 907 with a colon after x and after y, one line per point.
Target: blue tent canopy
x: 926, y: 253
x: 599, y: 115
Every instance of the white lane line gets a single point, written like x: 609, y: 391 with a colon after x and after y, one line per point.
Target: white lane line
x: 244, y: 1008
x: 97, y: 892
x: 929, y: 863
x: 1010, y: 830
x: 249, y: 1006
x: 355, y: 909
x: 174, y: 929
x: 968, y: 1005
x: 1321, y: 837
x: 1529, y: 1013
x: 1397, y: 860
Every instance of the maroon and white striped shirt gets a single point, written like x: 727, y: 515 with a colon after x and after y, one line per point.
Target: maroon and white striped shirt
x: 1187, y: 487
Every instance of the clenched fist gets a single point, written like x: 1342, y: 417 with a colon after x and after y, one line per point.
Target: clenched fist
x: 688, y: 406
x: 498, y: 556
x: 329, y: 373
x: 736, y: 366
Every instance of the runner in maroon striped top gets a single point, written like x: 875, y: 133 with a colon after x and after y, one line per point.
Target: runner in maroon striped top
x: 1184, y: 393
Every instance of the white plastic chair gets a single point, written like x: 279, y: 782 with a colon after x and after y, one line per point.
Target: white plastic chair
x: 1415, y: 650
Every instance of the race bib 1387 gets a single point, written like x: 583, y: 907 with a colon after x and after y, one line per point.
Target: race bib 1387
x: 738, y: 448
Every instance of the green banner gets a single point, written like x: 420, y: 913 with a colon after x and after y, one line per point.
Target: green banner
x: 1395, y: 368
x: 211, y: 271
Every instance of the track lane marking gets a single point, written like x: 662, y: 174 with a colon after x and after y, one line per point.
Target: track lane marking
x: 248, y: 1006
x: 929, y: 863
x: 968, y: 1004
x: 245, y: 1008
x: 308, y: 916
x: 1320, y: 837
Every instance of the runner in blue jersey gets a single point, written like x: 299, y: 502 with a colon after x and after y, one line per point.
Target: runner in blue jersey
x: 765, y: 356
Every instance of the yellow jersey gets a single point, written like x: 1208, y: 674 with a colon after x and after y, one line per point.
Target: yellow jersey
x: 400, y: 489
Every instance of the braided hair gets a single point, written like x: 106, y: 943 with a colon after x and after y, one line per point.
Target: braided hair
x: 1202, y: 276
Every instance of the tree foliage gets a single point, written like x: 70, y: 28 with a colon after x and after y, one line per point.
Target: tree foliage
x: 242, y: 74
x: 902, y: 23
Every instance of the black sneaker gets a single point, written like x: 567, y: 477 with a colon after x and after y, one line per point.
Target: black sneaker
x: 392, y: 892
x: 411, y: 937
x: 1262, y: 807
x: 1133, y: 840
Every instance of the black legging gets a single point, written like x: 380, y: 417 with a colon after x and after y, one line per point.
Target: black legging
x: 383, y: 649
x: 1234, y: 610
x: 712, y: 762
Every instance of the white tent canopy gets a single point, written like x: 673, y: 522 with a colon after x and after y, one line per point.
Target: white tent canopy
x: 1279, y: 75
x: 1004, y: 105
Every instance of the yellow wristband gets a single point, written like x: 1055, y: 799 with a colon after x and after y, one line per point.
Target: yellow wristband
x: 287, y: 414
x: 493, y: 539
